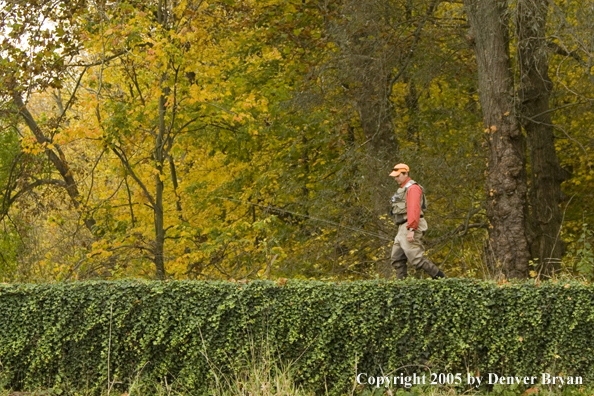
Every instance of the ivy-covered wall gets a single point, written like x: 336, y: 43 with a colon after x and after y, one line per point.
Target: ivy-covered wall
x: 84, y: 335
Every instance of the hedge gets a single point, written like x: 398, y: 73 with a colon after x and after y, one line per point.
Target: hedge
x: 83, y: 335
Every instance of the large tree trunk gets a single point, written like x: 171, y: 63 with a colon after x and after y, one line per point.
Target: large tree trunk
x: 376, y: 117
x: 546, y: 173
x: 506, y: 172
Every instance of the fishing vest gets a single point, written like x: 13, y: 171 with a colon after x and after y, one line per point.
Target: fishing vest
x: 398, y: 202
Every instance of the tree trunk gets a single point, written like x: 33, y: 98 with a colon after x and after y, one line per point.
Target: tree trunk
x: 376, y: 115
x: 412, y: 104
x: 506, y: 172
x: 159, y: 161
x: 159, y: 215
x: 546, y: 173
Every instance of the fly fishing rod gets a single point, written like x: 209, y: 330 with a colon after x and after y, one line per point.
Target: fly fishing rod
x: 338, y: 225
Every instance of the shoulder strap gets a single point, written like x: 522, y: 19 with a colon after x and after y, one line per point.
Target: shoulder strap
x: 423, y: 199
x: 410, y: 183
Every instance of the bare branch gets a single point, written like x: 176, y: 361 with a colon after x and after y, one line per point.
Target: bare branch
x: 39, y: 182
x: 126, y: 164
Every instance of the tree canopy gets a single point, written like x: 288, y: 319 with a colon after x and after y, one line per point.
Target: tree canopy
x: 243, y: 139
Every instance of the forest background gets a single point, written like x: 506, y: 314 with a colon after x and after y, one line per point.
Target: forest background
x: 253, y: 139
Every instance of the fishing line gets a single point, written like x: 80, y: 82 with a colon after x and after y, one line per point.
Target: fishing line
x: 338, y: 225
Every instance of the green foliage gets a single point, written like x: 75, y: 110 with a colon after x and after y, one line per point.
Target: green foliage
x: 281, y: 127
x: 9, y: 149
x: 34, y: 50
x: 9, y: 246
x: 584, y: 252
x: 9, y: 240
x: 92, y: 336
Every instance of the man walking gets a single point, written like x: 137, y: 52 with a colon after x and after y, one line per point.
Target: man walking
x: 407, y: 208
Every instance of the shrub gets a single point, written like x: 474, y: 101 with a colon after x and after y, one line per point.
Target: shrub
x: 97, y: 335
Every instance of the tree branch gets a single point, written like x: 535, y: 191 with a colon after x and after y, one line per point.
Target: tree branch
x: 126, y: 164
x: 58, y: 160
x: 416, y: 39
x: 39, y: 182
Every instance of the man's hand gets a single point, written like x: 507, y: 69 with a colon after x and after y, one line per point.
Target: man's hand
x: 411, y: 236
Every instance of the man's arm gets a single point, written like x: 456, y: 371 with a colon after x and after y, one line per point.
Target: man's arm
x: 413, y: 206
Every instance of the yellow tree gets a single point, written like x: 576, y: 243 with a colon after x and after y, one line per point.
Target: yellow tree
x: 168, y: 87
x: 38, y: 39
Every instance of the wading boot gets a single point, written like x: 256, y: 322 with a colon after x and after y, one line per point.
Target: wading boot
x: 400, y: 267
x: 439, y: 275
x: 430, y: 268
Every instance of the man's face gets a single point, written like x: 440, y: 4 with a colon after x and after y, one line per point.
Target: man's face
x: 400, y: 178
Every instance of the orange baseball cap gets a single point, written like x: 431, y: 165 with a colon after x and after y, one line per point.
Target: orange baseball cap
x: 398, y: 169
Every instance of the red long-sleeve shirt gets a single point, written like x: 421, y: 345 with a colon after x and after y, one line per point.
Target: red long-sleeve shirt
x: 413, y: 204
